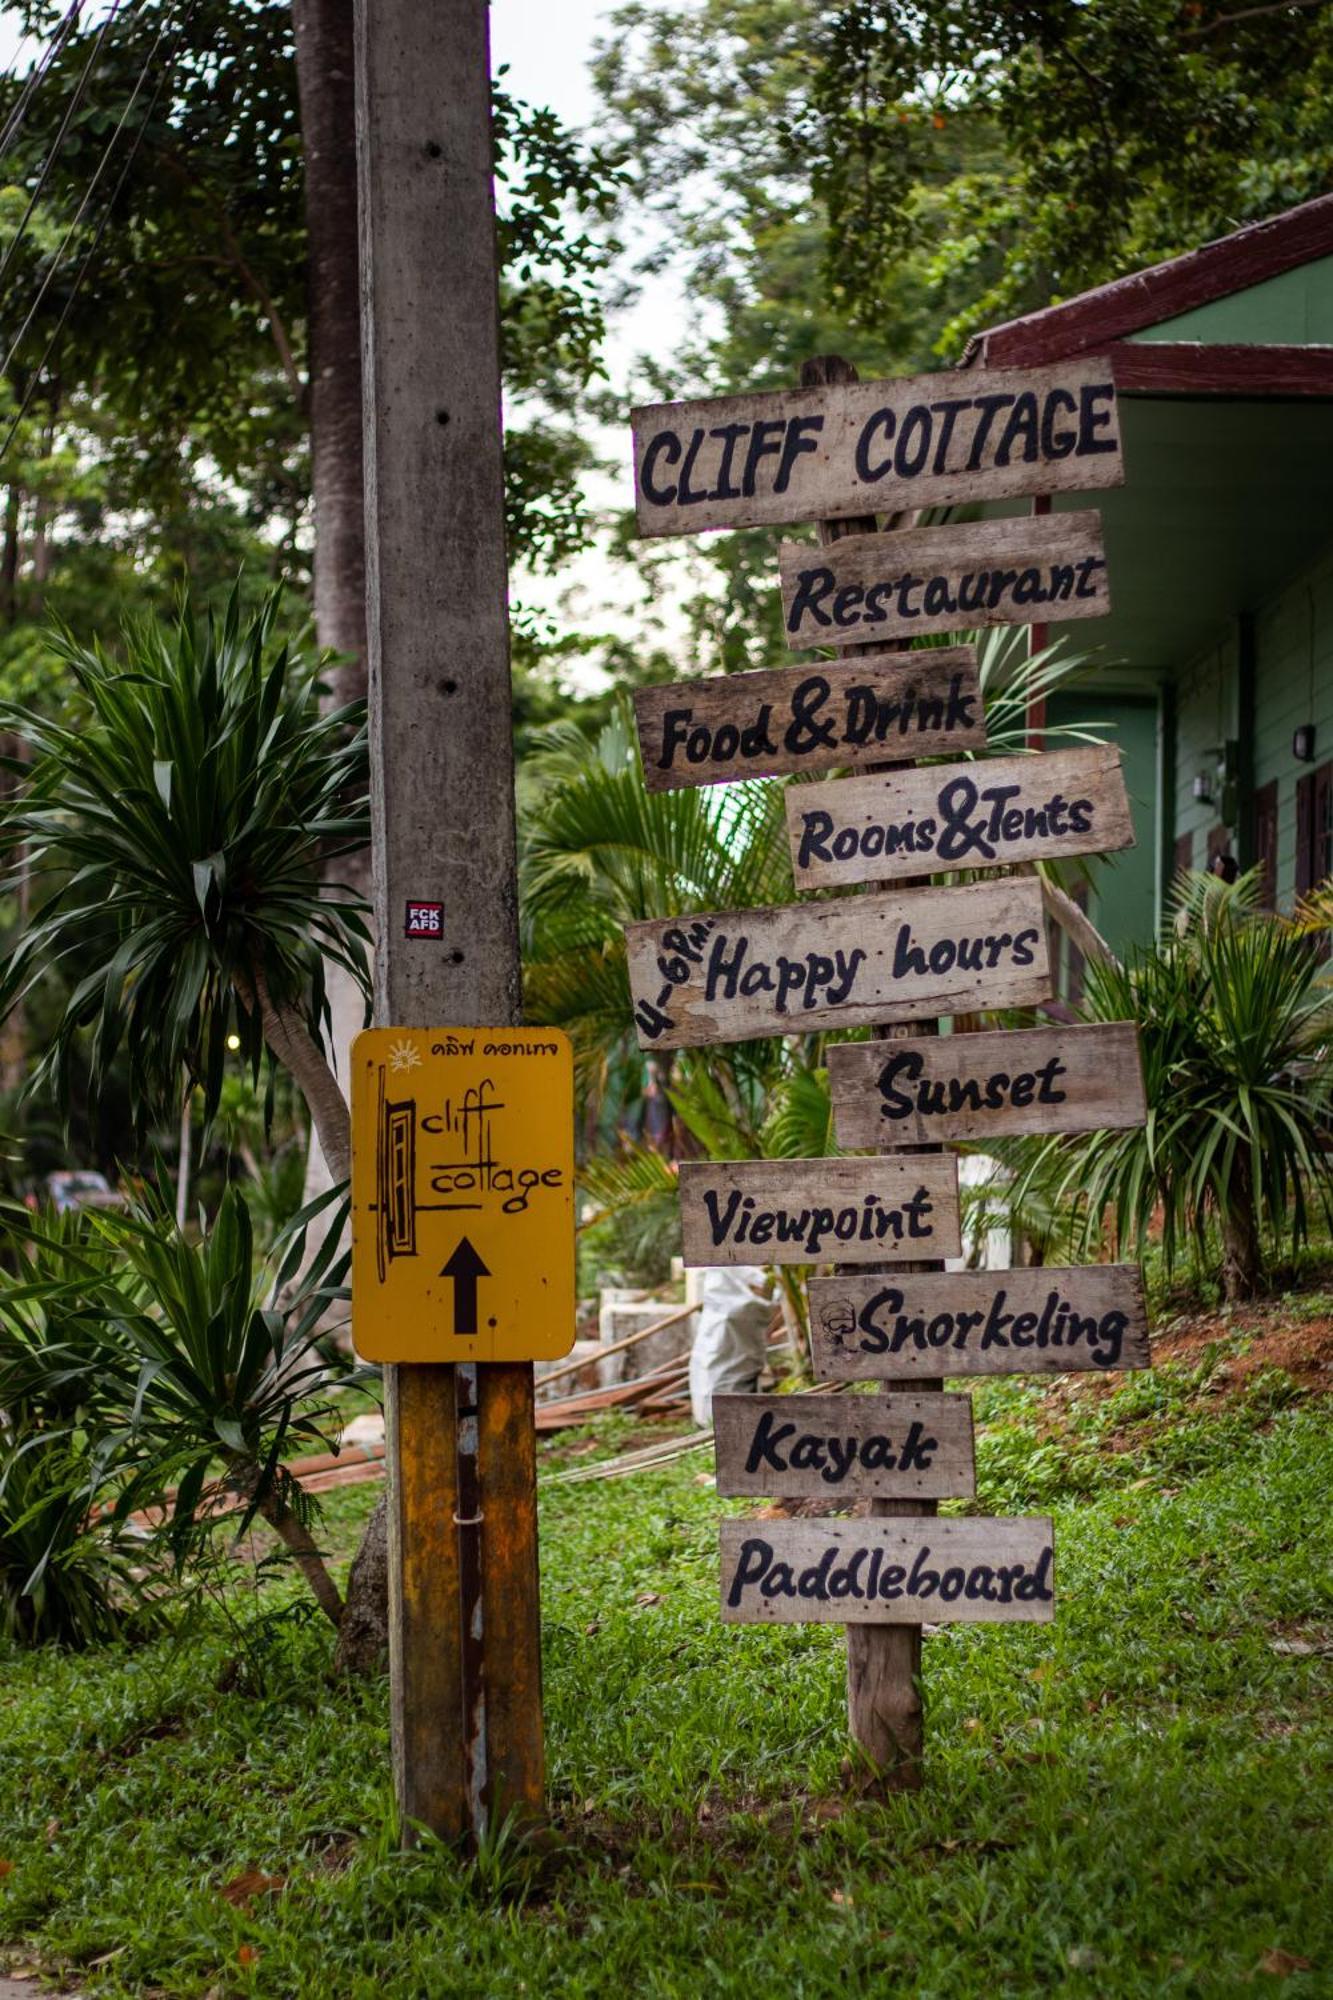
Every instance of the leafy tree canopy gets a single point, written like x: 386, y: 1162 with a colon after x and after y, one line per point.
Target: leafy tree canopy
x: 1110, y: 134
x: 158, y: 289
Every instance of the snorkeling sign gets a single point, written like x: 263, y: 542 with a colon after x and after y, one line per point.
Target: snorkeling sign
x: 462, y: 1194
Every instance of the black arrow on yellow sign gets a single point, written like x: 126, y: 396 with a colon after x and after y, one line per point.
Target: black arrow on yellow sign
x: 465, y: 1267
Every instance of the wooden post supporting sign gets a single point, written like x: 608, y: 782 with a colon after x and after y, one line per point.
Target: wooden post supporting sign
x: 464, y: 1634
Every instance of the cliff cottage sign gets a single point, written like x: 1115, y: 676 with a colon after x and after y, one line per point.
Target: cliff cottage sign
x: 875, y: 447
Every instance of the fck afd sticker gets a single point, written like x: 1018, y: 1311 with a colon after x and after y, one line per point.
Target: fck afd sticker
x: 425, y: 920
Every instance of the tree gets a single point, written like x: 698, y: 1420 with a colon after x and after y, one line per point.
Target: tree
x: 178, y: 823
x: 1234, y: 1015
x: 1109, y: 134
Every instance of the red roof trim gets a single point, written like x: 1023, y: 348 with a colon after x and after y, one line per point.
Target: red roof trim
x: 1145, y: 298
x: 1215, y: 368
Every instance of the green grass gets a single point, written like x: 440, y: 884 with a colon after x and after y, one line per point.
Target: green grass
x: 1130, y: 1802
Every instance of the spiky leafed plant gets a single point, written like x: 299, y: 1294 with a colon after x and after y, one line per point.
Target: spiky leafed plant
x: 1235, y: 1018
x: 140, y: 1368
x: 180, y: 816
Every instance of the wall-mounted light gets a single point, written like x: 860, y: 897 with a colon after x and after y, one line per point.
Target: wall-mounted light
x: 1302, y: 744
x: 1202, y: 788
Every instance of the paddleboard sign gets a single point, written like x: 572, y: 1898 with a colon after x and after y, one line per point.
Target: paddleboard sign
x: 908, y: 1572
x: 462, y: 1194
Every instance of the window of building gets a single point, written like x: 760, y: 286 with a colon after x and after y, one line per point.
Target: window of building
x: 1265, y: 843
x: 1314, y: 829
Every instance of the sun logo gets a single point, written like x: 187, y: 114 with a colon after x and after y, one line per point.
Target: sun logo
x: 403, y: 1056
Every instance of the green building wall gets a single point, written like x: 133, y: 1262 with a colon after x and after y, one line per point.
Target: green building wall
x: 1293, y: 684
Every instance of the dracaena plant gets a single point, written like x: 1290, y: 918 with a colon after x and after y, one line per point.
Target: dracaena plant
x: 1235, y: 1017
x: 179, y: 818
x: 143, y: 1369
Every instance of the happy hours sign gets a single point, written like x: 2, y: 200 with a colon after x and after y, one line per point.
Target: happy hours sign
x: 729, y: 977
x: 874, y: 447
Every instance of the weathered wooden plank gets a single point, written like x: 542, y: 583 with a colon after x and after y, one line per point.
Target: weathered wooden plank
x: 742, y: 973
x: 1025, y: 570
x: 1026, y: 1322
x: 511, y: 1608
x: 828, y: 717
x: 1087, y: 1078
x: 808, y: 1211
x: 903, y: 1572
x: 845, y: 1447
x: 987, y: 814
x: 874, y: 447
x: 425, y: 1601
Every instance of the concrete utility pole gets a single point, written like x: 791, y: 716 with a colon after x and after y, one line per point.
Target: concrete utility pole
x: 464, y: 1631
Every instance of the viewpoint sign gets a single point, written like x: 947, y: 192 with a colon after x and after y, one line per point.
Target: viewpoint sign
x: 818, y: 1211
x: 462, y: 1194
x: 875, y: 447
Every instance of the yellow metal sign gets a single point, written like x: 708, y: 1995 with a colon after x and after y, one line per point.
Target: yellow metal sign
x: 462, y: 1194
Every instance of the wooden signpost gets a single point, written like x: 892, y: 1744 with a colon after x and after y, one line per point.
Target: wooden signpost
x: 845, y: 1447
x: 811, y: 718
x: 1001, y: 809
x: 1030, y: 1321
x: 729, y: 977
x: 987, y: 1086
x: 851, y: 448
x: 1024, y: 571
x: 811, y: 1211
x: 839, y: 453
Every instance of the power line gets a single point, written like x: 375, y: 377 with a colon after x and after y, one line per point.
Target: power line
x: 14, y: 122
x: 65, y: 123
x: 162, y: 75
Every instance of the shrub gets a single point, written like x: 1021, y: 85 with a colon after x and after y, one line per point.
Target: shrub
x: 1234, y: 1014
